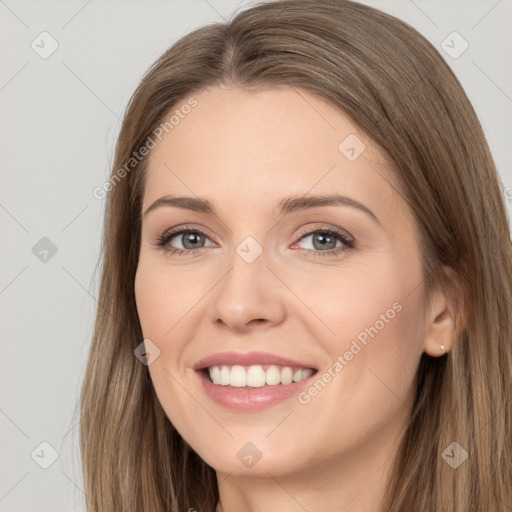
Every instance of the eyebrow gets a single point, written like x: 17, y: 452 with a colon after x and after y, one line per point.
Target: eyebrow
x: 286, y: 205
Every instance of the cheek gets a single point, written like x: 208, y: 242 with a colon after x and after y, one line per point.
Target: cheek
x: 163, y: 299
x: 369, y: 376
x: 152, y: 303
x: 371, y: 316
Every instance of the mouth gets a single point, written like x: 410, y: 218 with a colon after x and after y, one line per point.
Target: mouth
x: 255, y: 376
x: 251, y: 388
x: 251, y: 381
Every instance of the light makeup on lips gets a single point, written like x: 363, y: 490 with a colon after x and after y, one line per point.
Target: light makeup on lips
x: 234, y: 381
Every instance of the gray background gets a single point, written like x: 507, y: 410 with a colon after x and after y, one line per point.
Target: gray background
x: 59, y: 120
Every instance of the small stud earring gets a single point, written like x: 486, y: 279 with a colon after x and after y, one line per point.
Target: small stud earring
x: 442, y: 348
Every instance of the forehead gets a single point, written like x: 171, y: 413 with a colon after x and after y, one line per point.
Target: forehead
x: 254, y: 144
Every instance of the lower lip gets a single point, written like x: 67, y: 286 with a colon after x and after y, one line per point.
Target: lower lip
x: 247, y: 398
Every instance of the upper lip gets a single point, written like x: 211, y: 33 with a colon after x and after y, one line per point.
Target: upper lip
x: 247, y: 359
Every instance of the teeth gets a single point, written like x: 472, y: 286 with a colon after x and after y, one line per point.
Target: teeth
x: 273, y: 376
x: 306, y: 373
x: 225, y: 376
x: 286, y: 375
x: 238, y: 376
x: 215, y: 374
x: 256, y: 376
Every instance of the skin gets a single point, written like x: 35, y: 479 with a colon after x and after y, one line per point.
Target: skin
x: 245, y: 151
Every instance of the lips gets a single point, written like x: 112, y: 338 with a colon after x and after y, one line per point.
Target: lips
x: 249, y: 359
x: 246, y: 398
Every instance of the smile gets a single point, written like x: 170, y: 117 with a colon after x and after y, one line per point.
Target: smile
x: 256, y: 376
x: 245, y: 398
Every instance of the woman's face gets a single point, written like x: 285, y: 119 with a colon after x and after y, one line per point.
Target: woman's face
x: 267, y: 268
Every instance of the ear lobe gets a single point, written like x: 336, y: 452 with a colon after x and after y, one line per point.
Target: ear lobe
x: 445, y: 318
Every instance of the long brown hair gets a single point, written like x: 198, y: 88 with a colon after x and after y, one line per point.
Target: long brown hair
x: 397, y: 88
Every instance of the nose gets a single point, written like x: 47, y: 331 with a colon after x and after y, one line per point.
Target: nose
x: 249, y: 296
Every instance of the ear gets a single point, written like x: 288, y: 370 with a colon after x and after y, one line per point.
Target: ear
x: 445, y: 317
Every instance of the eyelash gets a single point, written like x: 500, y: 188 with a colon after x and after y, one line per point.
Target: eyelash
x: 348, y: 243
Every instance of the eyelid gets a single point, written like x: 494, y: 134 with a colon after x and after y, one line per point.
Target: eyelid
x: 324, y: 227
x: 186, y: 227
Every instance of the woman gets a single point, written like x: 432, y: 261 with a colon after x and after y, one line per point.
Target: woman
x: 306, y: 285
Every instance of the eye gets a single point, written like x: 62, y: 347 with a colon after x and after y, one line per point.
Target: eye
x: 184, y: 240
x: 325, y: 241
